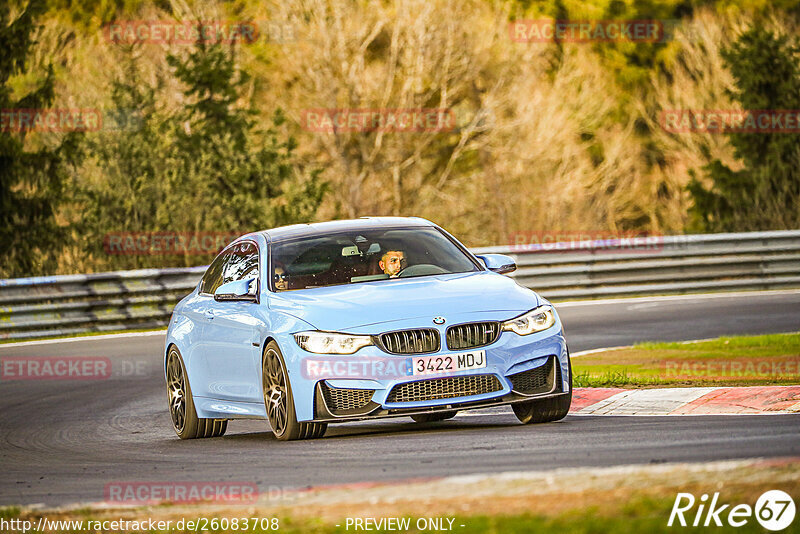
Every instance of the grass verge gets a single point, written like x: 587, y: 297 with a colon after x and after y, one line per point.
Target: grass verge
x: 772, y: 359
x: 624, y: 499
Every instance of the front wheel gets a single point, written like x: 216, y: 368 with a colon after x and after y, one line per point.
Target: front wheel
x: 279, y: 402
x: 545, y: 410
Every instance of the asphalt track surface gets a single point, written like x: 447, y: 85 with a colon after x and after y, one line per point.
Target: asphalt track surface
x: 61, y: 442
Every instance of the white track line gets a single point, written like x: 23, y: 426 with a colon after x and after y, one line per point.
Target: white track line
x: 595, y: 351
x: 84, y: 338
x: 661, y: 298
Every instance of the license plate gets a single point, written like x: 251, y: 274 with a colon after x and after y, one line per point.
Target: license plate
x: 448, y: 363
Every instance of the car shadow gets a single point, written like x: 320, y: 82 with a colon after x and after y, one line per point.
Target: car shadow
x: 393, y: 428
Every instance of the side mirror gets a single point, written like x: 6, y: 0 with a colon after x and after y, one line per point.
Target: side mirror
x: 499, y: 263
x: 246, y: 290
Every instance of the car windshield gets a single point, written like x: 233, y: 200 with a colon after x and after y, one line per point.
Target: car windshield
x: 364, y: 256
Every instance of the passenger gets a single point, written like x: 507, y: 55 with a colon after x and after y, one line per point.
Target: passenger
x: 392, y: 262
x: 280, y: 278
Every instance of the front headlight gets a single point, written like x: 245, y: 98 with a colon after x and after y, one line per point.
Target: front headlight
x: 331, y: 342
x: 536, y: 320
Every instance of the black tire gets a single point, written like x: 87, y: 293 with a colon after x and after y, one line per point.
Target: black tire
x: 433, y: 417
x: 279, y: 401
x: 181, y: 404
x: 545, y: 410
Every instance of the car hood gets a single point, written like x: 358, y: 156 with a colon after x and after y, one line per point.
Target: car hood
x: 344, y: 307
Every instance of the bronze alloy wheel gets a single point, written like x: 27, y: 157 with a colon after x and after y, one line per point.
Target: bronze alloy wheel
x: 181, y: 405
x: 275, y: 396
x: 279, y: 402
x: 176, y: 391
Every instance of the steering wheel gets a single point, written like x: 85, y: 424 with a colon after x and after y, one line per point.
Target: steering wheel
x: 421, y: 269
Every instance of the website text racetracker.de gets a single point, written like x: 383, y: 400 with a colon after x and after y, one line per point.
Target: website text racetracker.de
x: 586, y: 31
x: 720, y: 121
x: 201, y: 524
x: 375, y: 120
x: 58, y: 368
x: 150, y: 492
x: 166, y: 243
x: 599, y: 241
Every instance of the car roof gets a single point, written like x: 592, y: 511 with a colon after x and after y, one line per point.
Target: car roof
x: 312, y: 229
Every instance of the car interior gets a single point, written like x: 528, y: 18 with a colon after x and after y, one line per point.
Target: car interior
x: 346, y: 259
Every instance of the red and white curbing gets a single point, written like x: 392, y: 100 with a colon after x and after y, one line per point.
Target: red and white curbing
x: 752, y: 400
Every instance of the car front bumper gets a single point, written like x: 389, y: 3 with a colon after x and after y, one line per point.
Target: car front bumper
x: 324, y: 412
x: 518, y: 369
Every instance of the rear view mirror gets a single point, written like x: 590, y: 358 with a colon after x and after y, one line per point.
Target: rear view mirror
x: 499, y: 263
x: 246, y: 290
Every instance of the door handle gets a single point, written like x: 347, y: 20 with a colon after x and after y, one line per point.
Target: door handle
x: 209, y: 313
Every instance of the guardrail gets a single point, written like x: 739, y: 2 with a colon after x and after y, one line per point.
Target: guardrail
x: 72, y: 304
x: 658, y: 265
x: 58, y: 305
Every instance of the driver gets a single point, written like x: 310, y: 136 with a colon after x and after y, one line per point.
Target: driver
x: 392, y: 262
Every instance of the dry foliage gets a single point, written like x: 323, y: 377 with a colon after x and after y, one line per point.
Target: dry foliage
x: 546, y: 138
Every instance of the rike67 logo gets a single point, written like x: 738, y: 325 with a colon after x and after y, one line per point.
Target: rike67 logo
x: 774, y: 510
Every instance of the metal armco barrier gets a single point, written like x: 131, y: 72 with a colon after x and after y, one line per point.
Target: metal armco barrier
x: 57, y: 305
x: 658, y: 265
x: 72, y: 304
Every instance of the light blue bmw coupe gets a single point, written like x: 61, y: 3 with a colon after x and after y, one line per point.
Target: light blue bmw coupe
x: 312, y: 324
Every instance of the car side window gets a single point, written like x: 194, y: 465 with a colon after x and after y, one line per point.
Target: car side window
x: 242, y: 263
x: 213, y: 277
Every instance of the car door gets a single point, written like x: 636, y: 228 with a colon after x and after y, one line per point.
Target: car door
x: 231, y: 334
x: 198, y: 309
